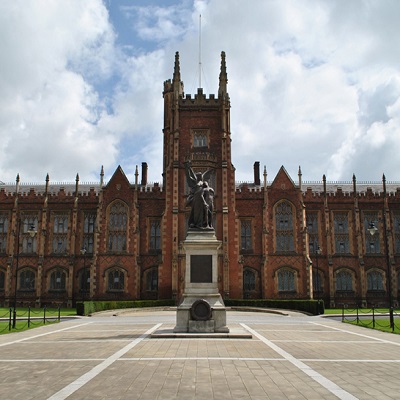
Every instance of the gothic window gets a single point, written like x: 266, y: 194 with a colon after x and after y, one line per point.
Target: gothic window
x: 88, y: 231
x: 3, y: 232
x: 60, y: 233
x: 375, y: 280
x: 155, y: 235
x: 341, y: 226
x: 317, y: 282
x: 28, y: 243
x: 58, y: 280
x: 2, y: 280
x: 286, y: 281
x: 117, y: 225
x: 284, y: 228
x: 200, y: 138
x: 312, y: 229
x: 249, y: 280
x: 27, y: 280
x: 84, y: 280
x: 246, y: 235
x: 344, y: 281
x: 396, y: 228
x: 371, y: 241
x: 116, y: 280
x: 152, y: 280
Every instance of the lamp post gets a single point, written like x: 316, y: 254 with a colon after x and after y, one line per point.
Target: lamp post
x: 32, y: 232
x: 372, y: 230
x: 317, y: 253
x: 83, y: 252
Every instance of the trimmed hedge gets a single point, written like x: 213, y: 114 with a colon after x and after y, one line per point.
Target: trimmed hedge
x: 90, y: 307
x: 314, y: 307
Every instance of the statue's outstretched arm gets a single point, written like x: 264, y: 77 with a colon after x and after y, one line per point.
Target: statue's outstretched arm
x: 190, y: 175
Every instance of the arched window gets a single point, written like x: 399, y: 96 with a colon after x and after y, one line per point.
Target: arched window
x: 341, y: 227
x: 344, y: 281
x: 200, y: 139
x: 60, y: 233
x: 28, y: 243
x: 245, y: 235
x: 396, y: 229
x: 372, y: 245
x: 312, y: 230
x: 27, y: 280
x: 249, y: 280
x: 117, y: 227
x: 286, y: 281
x: 58, y: 280
x: 88, y: 231
x: 152, y: 280
x: 116, y: 280
x: 2, y: 280
x: 375, y: 280
x: 3, y: 232
x: 284, y: 227
x: 155, y: 235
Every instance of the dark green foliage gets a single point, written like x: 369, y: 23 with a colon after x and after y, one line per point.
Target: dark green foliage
x: 314, y: 307
x: 90, y: 307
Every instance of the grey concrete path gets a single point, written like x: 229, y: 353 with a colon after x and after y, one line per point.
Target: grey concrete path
x: 113, y: 357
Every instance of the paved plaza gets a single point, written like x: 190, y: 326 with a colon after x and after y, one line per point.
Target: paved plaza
x: 114, y: 357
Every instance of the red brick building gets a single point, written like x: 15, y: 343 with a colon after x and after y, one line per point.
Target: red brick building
x: 132, y: 232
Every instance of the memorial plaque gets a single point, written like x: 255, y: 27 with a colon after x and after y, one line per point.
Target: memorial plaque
x: 201, y: 269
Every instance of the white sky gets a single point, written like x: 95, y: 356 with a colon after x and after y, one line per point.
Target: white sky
x: 312, y: 83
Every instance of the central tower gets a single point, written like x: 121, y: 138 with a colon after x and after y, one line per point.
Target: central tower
x: 197, y: 129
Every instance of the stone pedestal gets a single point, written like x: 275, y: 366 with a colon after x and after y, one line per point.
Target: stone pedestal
x: 202, y: 309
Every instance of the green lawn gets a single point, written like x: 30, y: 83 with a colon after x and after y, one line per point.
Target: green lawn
x: 38, y: 312
x: 36, y: 318
x: 360, y: 310
x: 380, y: 324
x: 365, y: 318
x: 23, y: 325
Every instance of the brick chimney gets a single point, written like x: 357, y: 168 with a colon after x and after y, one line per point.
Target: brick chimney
x: 257, y: 181
x: 144, y: 174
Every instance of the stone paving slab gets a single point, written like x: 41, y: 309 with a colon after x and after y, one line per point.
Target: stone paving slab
x: 288, y: 357
x: 236, y: 332
x: 201, y: 379
x: 197, y: 348
x: 367, y: 350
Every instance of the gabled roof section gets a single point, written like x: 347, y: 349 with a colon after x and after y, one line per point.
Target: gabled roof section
x: 119, y: 177
x: 283, y: 178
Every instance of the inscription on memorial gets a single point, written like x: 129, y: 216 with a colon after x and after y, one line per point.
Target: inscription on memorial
x: 201, y: 269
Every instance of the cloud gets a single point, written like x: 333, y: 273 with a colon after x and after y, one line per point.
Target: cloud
x: 48, y: 107
x: 158, y: 23
x: 298, y: 75
x: 311, y: 83
x: 374, y: 148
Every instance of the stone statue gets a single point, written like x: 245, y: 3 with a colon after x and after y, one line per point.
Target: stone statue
x: 200, y: 198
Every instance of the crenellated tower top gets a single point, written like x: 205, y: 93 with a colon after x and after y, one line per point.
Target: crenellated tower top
x: 176, y: 85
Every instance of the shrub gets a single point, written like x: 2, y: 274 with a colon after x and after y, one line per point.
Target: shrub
x: 90, y: 307
x: 314, y: 307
